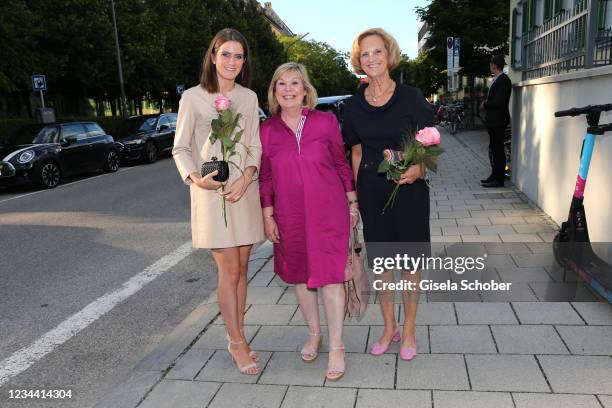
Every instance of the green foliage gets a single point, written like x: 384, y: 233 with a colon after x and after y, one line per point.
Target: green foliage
x: 482, y: 25
x: 420, y: 72
x: 162, y: 44
x: 327, y: 68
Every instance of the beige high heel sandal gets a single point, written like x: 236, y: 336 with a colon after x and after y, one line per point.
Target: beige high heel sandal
x: 336, y: 373
x: 253, y: 354
x: 310, y: 357
x: 245, y: 369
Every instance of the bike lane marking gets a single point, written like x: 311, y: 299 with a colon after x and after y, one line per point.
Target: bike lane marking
x: 22, y: 359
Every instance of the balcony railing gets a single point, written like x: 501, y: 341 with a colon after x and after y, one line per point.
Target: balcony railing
x: 568, y: 42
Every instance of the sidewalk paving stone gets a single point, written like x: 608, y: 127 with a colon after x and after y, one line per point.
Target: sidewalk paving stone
x: 495, y: 248
x: 524, y: 275
x: 481, y: 238
x: 366, y: 371
x: 578, y: 374
x: 505, y: 373
x: 259, y: 295
x: 269, y: 314
x: 473, y: 221
x: 495, y: 229
x: 433, y: 371
x: 287, y: 368
x: 248, y: 396
x: 562, y: 292
x: 532, y: 400
x: 507, y: 220
x: 595, y: 313
x: 531, y: 228
x: 261, y: 279
x: 519, y: 292
x: 190, y: 364
x: 485, y: 313
x: 606, y: 400
x: 520, y: 238
x: 293, y: 338
x: 472, y: 399
x: 546, y: 313
x: 588, y: 340
x: 308, y: 397
x: 459, y: 230
x: 536, y: 339
x: 534, y: 260
x: 461, y: 339
x: 183, y: 394
x: 443, y: 223
x: 393, y: 398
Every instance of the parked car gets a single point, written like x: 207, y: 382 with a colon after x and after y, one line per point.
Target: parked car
x: 59, y: 150
x: 146, y: 137
x: 334, y: 104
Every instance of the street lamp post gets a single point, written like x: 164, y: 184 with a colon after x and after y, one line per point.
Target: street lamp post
x: 292, y: 44
x: 119, y: 66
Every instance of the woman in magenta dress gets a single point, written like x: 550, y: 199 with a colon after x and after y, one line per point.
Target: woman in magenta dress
x: 309, y: 202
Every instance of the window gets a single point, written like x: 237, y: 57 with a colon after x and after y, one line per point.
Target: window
x: 93, y: 129
x: 48, y: 134
x: 525, y: 19
x: 172, y: 118
x: 163, y: 120
x: 74, y: 130
x: 147, y: 125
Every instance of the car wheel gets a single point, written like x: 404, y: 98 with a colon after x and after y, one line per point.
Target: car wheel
x: 112, y: 161
x: 49, y: 174
x: 150, y: 152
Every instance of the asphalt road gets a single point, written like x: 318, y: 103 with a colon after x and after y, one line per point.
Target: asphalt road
x: 62, y: 249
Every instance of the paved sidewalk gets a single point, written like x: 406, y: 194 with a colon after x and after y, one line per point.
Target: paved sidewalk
x: 546, y: 343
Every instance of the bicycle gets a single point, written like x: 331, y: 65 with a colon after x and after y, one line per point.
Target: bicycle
x: 572, y: 246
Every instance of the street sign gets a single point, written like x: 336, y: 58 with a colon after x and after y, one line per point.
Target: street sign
x: 180, y: 88
x: 450, y: 45
x: 456, y: 48
x: 39, y: 83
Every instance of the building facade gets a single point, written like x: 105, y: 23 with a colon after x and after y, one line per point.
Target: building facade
x: 561, y: 58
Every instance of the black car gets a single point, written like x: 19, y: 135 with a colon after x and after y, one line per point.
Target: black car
x: 334, y: 104
x: 59, y: 150
x: 146, y: 137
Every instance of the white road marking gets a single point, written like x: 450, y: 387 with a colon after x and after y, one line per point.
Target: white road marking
x: 27, y: 356
x: 67, y: 184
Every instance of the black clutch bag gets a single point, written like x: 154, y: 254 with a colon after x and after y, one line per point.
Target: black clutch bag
x: 214, y: 164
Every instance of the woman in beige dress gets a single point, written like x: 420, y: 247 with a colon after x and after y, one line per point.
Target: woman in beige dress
x: 226, y: 71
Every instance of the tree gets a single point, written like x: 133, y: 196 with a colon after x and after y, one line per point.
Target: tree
x: 327, y: 68
x: 482, y: 25
x: 420, y: 72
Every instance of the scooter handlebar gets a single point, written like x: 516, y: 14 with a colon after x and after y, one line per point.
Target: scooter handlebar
x: 584, y: 110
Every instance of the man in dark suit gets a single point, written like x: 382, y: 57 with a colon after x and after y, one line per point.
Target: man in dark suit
x: 497, y: 117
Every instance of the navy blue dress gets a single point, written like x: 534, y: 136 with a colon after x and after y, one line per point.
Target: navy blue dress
x: 377, y: 129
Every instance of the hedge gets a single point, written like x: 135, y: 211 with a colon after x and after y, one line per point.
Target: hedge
x: 22, y: 131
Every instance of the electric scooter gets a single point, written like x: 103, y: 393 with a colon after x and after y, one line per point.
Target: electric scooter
x: 571, y: 246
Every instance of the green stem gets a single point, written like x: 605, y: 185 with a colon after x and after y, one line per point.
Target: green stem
x: 223, y: 190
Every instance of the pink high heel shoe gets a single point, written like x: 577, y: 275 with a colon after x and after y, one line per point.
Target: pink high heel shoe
x: 379, y: 349
x: 408, y: 353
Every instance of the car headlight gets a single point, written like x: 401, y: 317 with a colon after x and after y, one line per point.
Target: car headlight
x: 133, y: 142
x: 26, y: 156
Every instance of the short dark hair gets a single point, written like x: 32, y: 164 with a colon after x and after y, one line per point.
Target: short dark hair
x: 208, y: 79
x: 499, y: 61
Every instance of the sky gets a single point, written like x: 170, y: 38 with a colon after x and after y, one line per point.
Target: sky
x: 337, y: 22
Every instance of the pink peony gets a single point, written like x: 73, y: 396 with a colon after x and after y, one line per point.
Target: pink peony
x: 222, y: 103
x: 428, y: 136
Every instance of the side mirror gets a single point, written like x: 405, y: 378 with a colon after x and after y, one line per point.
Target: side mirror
x: 68, y: 141
x: 163, y: 127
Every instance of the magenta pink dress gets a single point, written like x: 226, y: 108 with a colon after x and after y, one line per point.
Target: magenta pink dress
x: 306, y: 182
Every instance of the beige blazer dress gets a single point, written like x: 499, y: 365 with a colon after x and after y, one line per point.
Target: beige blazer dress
x: 192, y: 147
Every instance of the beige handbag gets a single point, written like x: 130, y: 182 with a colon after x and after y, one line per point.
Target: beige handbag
x: 356, y: 283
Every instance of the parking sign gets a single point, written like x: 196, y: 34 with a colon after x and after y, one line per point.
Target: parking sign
x: 39, y: 83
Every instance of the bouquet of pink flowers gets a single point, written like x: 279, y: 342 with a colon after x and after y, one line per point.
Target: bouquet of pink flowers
x: 422, y: 150
x: 223, y: 129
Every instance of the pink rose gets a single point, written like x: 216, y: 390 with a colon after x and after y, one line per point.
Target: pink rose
x: 428, y: 136
x: 222, y: 103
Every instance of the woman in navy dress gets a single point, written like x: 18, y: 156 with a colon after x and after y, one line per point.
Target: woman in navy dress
x: 381, y: 116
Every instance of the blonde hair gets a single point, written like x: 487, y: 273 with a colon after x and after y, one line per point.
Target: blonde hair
x: 393, y: 51
x: 310, y: 98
